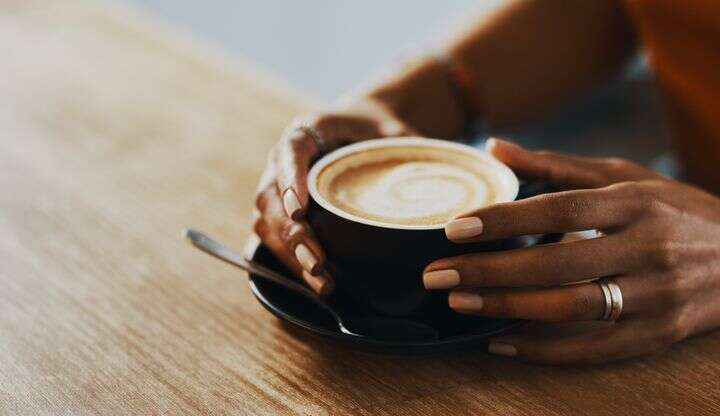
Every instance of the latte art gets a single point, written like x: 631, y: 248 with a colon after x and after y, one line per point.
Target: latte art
x: 408, y: 192
x: 409, y: 185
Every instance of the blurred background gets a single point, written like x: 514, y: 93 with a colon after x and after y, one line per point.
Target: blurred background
x: 322, y: 47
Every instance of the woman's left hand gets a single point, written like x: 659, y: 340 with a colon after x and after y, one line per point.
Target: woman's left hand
x: 658, y: 240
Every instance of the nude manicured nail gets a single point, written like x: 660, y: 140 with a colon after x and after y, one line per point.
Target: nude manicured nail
x: 441, y: 279
x: 490, y: 144
x: 502, y: 349
x: 391, y: 128
x: 305, y: 257
x: 291, y: 203
x: 463, y: 301
x: 319, y: 284
x: 463, y: 228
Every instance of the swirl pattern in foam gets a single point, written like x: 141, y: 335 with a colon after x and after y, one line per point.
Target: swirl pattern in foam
x: 409, y: 185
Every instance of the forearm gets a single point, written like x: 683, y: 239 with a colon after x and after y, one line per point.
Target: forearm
x: 422, y: 95
x: 525, y: 59
x: 530, y: 56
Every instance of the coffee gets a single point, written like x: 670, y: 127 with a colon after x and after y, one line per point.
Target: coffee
x: 412, y: 185
x: 378, y: 208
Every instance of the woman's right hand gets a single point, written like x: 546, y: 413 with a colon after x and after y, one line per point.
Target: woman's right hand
x: 282, y: 195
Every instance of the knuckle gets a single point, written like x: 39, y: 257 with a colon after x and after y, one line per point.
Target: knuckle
x: 322, y: 121
x: 617, y: 163
x: 267, y: 189
x: 292, y: 231
x: 261, y: 200
x: 675, y: 290
x: 259, y: 227
x: 666, y: 255
x: 631, y: 188
x: 297, y: 142
x: 672, y: 331
x: 636, y: 192
x: 547, y: 154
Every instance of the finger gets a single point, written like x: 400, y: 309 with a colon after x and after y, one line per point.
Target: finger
x: 298, y: 147
x: 302, y: 261
x: 541, y: 265
x: 559, y: 212
x: 322, y: 284
x: 612, y: 342
x: 293, y: 243
x: 272, y: 241
x: 568, y: 171
x: 565, y: 171
x: 655, y: 292
x: 394, y: 128
x: 294, y: 153
x: 299, y: 239
x: 577, y: 302
x: 581, y: 302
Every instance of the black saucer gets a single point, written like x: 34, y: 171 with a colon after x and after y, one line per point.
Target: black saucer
x: 455, y: 331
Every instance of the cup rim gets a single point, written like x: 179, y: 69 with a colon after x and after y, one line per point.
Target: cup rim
x: 506, y: 174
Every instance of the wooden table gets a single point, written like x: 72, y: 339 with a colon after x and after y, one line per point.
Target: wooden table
x: 115, y: 133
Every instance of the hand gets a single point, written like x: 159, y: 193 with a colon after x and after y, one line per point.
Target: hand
x: 282, y: 196
x: 659, y: 241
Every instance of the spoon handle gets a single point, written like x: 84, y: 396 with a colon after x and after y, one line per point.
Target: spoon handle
x: 228, y: 255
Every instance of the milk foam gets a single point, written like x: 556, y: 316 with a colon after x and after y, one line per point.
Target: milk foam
x: 412, y: 185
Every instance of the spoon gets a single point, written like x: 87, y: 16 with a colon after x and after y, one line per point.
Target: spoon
x: 386, y: 329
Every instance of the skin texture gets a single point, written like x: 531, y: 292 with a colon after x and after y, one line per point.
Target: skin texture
x: 384, y: 111
x: 422, y: 98
x: 532, y: 56
x: 659, y: 240
x: 281, y: 225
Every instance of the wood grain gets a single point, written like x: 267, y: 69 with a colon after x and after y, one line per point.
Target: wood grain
x: 115, y: 133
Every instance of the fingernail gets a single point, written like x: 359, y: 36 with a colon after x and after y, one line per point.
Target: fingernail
x: 464, y: 301
x: 319, y: 284
x: 502, y: 349
x: 291, y: 203
x: 306, y: 258
x: 441, y: 279
x: 490, y: 144
x: 463, y: 228
x: 391, y: 128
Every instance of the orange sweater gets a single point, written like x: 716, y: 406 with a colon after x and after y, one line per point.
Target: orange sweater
x: 682, y: 39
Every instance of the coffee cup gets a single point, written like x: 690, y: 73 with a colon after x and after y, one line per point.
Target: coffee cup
x: 379, y: 207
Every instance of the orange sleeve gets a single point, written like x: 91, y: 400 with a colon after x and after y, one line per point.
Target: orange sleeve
x: 682, y: 40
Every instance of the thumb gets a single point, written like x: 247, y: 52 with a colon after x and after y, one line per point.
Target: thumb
x: 563, y: 170
x: 394, y: 128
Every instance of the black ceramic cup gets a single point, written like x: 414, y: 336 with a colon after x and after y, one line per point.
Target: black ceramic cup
x: 379, y: 265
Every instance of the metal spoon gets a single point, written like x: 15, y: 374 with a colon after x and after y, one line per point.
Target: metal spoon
x: 387, y: 329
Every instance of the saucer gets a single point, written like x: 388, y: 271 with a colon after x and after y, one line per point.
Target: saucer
x: 456, y: 331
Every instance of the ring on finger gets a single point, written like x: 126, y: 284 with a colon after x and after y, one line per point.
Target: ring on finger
x: 613, y: 299
x: 322, y: 144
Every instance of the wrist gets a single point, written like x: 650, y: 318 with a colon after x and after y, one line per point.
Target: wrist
x: 424, y: 96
